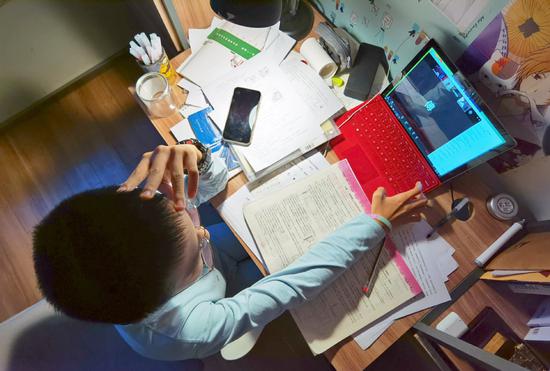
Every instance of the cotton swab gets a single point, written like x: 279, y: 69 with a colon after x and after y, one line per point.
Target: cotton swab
x: 135, y: 53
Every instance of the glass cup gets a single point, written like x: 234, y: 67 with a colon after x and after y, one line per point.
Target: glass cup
x: 155, y: 93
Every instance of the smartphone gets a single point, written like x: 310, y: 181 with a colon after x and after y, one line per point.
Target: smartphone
x: 242, y: 116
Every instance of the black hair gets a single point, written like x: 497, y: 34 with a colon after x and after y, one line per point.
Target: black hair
x: 108, y: 257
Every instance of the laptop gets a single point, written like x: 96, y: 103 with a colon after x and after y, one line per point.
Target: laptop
x: 429, y: 126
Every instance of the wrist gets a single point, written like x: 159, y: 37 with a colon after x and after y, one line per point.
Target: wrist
x: 203, y: 154
x: 382, y: 221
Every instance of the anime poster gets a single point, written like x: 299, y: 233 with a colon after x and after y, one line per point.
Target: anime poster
x: 509, y: 63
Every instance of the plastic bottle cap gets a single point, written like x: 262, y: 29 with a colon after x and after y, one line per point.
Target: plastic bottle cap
x: 336, y: 81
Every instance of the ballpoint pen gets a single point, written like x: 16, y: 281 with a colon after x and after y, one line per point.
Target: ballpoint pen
x: 450, y: 216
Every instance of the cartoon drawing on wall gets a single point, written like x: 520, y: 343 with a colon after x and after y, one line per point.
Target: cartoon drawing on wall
x: 422, y: 37
x: 509, y: 62
x: 373, y: 7
x: 386, y: 21
x: 385, y: 24
x: 392, y: 56
x: 353, y: 19
x: 340, y: 6
x: 414, y: 30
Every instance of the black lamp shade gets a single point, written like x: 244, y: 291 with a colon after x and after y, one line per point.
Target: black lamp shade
x: 249, y: 13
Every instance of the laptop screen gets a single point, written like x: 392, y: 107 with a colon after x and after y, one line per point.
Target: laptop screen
x: 441, y: 114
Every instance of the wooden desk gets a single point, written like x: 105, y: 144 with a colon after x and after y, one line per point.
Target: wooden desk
x: 514, y: 309
x: 468, y: 238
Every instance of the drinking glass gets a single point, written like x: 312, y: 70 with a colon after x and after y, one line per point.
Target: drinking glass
x: 155, y: 93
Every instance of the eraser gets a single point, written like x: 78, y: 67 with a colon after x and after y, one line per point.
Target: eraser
x: 452, y: 325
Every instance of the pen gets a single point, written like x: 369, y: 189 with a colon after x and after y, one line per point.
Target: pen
x: 501, y: 241
x: 367, y: 288
x: 450, y: 216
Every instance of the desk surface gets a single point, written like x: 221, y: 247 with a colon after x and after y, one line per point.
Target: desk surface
x: 468, y: 238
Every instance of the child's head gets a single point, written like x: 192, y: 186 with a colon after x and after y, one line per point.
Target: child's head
x: 113, y: 257
x: 533, y: 76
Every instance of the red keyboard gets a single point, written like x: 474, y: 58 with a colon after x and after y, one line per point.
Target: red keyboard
x: 390, y: 150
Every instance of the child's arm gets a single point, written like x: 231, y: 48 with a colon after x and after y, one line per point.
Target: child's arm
x: 164, y: 169
x: 214, y: 324
x: 196, y: 326
x: 212, y: 181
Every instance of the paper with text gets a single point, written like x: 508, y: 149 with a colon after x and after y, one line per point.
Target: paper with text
x: 410, y: 240
x: 284, y: 123
x: 231, y: 209
x: 289, y: 222
x: 294, y: 102
x: 212, y: 59
x: 462, y: 13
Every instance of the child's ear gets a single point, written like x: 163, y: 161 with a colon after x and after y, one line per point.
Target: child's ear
x: 202, y: 233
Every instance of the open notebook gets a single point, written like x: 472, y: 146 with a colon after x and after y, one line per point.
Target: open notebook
x: 290, y: 221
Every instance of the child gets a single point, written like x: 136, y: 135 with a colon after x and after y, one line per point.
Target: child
x: 135, y: 258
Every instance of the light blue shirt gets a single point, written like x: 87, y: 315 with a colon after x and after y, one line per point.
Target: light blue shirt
x: 200, y: 320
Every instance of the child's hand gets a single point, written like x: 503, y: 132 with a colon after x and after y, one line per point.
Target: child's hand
x: 400, y: 206
x: 165, y: 168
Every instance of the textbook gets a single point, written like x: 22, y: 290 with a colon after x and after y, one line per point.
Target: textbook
x: 287, y: 223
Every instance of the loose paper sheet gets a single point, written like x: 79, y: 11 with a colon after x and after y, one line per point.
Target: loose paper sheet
x: 182, y: 130
x: 213, y: 60
x: 194, y: 94
x: 231, y: 209
x: 418, y: 252
x: 289, y: 222
x: 294, y: 103
x: 197, y: 36
x: 461, y: 12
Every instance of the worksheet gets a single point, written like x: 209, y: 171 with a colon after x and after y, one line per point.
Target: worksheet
x: 287, y: 223
x: 231, y: 209
x: 426, y: 263
x: 294, y: 102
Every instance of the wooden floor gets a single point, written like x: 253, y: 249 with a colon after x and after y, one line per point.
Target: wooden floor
x: 88, y: 136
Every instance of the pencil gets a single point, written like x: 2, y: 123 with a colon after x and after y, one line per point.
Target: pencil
x: 372, y: 275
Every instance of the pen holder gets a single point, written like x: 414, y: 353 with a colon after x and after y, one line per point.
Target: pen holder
x: 162, y: 66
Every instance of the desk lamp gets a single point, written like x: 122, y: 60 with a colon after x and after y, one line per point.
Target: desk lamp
x: 296, y: 16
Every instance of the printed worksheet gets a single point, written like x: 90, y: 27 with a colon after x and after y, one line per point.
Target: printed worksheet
x: 289, y: 222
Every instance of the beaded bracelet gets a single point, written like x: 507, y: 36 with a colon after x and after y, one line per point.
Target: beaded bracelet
x: 382, y: 219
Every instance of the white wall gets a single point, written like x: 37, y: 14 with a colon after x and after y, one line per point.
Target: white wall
x: 44, y: 44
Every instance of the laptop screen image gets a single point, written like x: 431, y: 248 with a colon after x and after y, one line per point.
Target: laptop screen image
x: 442, y: 115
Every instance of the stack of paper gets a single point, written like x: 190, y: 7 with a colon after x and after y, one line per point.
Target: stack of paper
x: 223, y: 47
x: 287, y: 223
x: 294, y: 102
x: 195, y: 98
x: 430, y: 261
x: 540, y: 323
x: 231, y: 209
